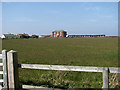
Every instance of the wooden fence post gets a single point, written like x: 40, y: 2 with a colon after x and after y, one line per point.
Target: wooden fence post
x: 12, y: 66
x: 4, y: 60
x: 106, y: 78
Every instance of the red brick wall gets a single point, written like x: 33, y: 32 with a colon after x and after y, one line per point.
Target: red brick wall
x: 59, y: 34
x: 18, y: 36
x: 52, y: 34
x: 62, y: 34
x: 55, y: 34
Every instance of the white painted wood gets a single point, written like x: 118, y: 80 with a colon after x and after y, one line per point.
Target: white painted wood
x: 30, y: 86
x: 106, y: 78
x: 1, y: 72
x: 4, y: 60
x: 1, y: 80
x: 12, y: 67
x: 1, y: 64
x: 114, y: 70
x: 68, y: 68
x: 63, y: 68
x: 1, y: 87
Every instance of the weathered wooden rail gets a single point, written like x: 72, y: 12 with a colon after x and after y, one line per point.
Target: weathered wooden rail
x: 10, y: 72
x: 69, y: 68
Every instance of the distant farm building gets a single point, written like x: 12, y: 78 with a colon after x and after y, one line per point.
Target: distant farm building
x: 23, y: 35
x: 8, y: 36
x: 59, y: 33
x: 86, y: 35
x: 44, y: 36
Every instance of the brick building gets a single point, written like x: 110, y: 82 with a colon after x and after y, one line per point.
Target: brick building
x: 59, y: 33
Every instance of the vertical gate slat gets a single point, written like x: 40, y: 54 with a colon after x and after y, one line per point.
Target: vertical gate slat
x: 4, y: 60
x: 106, y: 78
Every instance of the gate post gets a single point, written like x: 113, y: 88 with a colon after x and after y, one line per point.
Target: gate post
x: 105, y: 78
x: 12, y: 66
x: 4, y: 60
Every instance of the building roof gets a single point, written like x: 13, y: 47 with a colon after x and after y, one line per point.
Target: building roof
x: 59, y: 31
x: 9, y: 35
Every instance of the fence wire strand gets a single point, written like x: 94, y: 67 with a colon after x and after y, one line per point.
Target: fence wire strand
x: 114, y: 80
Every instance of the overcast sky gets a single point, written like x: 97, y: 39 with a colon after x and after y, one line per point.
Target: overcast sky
x: 74, y: 17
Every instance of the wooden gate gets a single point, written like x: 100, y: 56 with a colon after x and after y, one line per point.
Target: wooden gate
x: 10, y: 70
x: 3, y: 71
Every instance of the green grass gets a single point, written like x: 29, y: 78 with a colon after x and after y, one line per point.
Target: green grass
x: 102, y: 52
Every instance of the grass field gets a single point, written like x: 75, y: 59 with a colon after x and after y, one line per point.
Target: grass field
x: 102, y: 52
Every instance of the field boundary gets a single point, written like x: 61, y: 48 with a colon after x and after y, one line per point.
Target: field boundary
x: 68, y: 68
x: 12, y: 79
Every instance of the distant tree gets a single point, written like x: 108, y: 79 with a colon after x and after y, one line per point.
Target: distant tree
x: 24, y: 36
x: 34, y: 36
